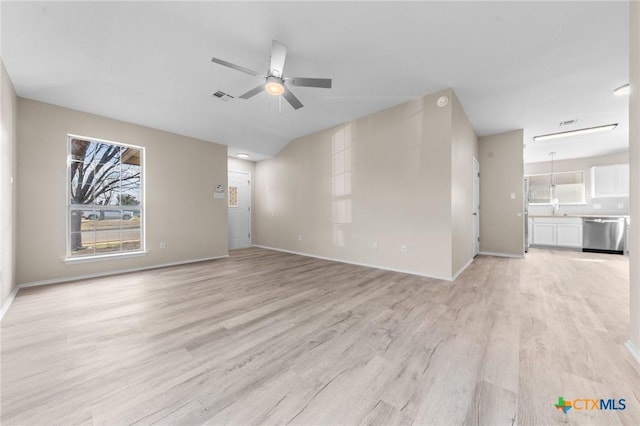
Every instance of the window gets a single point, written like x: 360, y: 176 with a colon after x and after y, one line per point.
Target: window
x: 568, y: 188
x: 342, y: 153
x: 105, y: 202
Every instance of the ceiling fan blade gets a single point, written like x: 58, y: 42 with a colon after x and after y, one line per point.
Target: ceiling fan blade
x: 324, y: 83
x: 237, y: 67
x: 291, y: 98
x: 253, y: 92
x: 278, y: 55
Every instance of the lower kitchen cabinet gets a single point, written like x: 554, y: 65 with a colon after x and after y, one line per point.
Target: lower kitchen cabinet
x: 557, y: 231
x: 544, y: 234
x: 569, y: 234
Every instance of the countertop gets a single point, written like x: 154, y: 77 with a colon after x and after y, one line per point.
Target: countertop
x: 579, y: 215
x: 610, y: 216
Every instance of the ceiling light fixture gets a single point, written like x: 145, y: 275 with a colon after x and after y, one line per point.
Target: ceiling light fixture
x: 575, y: 132
x: 622, y: 90
x: 274, y: 86
x: 242, y: 155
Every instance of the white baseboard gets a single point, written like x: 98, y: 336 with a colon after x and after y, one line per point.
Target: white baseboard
x: 403, y: 271
x: 491, y: 253
x: 7, y: 303
x: 118, y: 272
x: 633, y: 349
x: 12, y: 295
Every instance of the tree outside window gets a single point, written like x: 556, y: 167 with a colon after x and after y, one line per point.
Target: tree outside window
x: 105, y: 198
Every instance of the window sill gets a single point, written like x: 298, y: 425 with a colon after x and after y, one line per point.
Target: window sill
x: 115, y: 256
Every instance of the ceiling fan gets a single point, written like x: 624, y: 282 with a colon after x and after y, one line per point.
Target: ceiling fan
x: 274, y: 80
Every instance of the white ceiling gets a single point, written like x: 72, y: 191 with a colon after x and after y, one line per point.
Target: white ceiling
x: 513, y: 65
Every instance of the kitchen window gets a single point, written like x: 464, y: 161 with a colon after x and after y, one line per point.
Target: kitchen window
x: 566, y: 187
x: 105, y: 198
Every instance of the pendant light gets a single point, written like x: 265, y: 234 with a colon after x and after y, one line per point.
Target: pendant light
x: 552, y: 154
x: 554, y: 201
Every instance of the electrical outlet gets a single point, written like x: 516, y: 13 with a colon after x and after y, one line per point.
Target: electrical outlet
x: 163, y: 245
x: 621, y: 205
x: 374, y: 246
x: 299, y: 237
x: 403, y: 248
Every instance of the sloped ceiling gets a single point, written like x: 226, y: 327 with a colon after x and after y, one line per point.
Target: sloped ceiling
x: 513, y: 65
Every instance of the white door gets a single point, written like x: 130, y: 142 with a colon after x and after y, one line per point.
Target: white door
x: 476, y: 207
x: 239, y: 195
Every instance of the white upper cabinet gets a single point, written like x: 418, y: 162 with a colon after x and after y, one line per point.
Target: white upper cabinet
x: 610, y: 181
x: 623, y: 180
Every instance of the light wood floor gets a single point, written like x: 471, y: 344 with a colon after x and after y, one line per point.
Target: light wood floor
x: 272, y: 338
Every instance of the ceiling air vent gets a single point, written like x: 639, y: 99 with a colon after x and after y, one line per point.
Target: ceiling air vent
x: 568, y: 122
x: 222, y: 96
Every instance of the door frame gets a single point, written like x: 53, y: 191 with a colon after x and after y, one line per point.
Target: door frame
x: 475, y: 214
x: 248, y: 174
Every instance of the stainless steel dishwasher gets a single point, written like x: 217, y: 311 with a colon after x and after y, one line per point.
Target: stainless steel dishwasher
x: 603, y: 234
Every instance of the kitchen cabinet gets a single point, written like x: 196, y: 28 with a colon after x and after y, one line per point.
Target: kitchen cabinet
x: 544, y: 234
x: 569, y: 234
x: 610, y: 181
x: 557, y: 231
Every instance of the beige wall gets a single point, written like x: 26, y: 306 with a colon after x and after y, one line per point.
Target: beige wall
x: 607, y: 205
x: 7, y: 183
x: 634, y: 163
x: 502, y: 174
x: 181, y: 174
x: 359, y: 191
x: 464, y: 147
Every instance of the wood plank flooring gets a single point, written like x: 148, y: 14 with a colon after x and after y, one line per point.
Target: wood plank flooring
x: 271, y: 338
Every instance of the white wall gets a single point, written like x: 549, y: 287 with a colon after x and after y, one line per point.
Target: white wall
x: 238, y: 165
x: 607, y: 205
x: 634, y: 163
x: 181, y: 174
x: 8, y: 106
x: 502, y: 174
x: 383, y: 180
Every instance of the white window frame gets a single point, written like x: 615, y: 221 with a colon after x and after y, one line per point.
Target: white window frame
x: 584, y: 189
x: 142, y: 207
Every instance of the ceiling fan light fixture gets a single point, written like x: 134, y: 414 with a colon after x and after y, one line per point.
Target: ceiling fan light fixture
x: 575, y: 132
x: 274, y: 79
x: 622, y: 90
x: 274, y: 86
